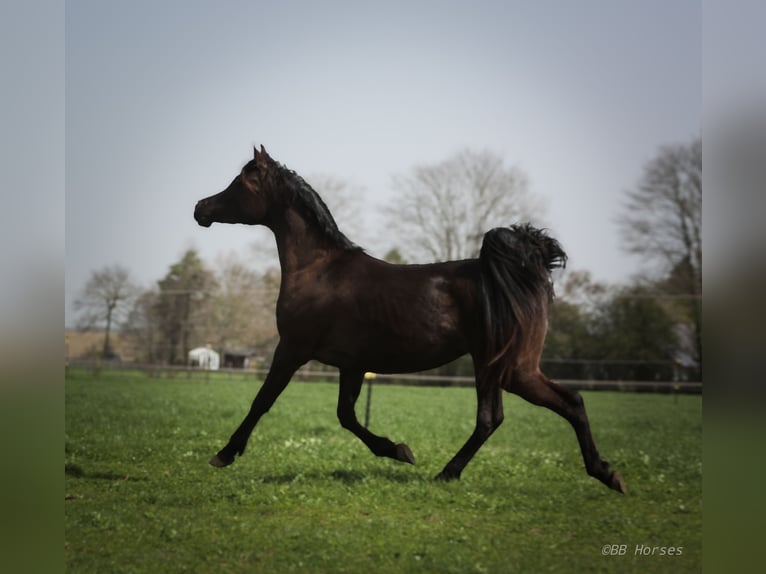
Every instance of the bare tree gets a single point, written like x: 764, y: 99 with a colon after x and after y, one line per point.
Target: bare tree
x: 242, y: 307
x: 182, y: 306
x: 229, y: 307
x: 105, y: 299
x: 141, y: 326
x: 344, y: 199
x: 444, y: 209
x: 662, y: 222
x: 662, y: 216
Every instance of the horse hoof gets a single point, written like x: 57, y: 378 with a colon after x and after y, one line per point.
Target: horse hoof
x: 404, y: 454
x: 618, y: 483
x: 219, y: 462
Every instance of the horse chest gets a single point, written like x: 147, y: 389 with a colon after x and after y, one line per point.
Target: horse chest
x: 304, y: 310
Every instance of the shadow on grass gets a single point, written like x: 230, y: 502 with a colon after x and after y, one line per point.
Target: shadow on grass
x: 76, y: 471
x: 345, y: 476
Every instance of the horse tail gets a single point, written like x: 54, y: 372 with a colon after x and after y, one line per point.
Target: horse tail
x: 516, y: 264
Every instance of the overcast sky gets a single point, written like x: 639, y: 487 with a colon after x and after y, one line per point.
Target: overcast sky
x: 164, y: 101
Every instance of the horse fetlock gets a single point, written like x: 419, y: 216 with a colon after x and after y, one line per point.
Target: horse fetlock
x: 599, y: 469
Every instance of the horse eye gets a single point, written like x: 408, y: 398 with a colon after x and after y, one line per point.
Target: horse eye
x: 250, y: 180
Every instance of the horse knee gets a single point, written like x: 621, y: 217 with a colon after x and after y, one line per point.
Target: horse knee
x: 347, y: 423
x: 346, y: 418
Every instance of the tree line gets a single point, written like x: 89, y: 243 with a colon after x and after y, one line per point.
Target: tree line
x: 649, y: 329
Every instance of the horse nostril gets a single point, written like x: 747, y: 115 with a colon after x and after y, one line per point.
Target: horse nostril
x: 201, y: 215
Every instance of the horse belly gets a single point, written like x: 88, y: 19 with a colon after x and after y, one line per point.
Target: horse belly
x: 414, y: 321
x: 387, y: 351
x: 410, y: 361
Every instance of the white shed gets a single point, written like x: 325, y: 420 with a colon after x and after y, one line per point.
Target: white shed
x: 205, y: 358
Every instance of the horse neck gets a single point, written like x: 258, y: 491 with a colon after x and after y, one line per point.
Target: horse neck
x: 298, y: 244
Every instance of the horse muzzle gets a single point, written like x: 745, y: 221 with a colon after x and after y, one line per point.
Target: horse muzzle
x: 202, y: 214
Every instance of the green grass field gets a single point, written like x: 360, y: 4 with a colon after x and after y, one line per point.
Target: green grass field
x: 308, y: 496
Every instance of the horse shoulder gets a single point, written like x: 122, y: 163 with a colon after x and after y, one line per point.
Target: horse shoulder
x: 313, y: 290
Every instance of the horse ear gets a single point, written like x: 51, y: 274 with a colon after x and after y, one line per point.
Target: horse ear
x: 255, y: 152
x: 263, y: 157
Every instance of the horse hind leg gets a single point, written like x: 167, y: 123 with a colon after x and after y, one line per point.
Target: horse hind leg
x: 350, y: 387
x: 540, y: 390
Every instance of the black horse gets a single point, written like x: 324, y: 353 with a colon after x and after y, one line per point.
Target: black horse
x: 342, y: 307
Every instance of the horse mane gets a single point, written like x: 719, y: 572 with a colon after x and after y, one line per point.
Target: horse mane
x: 315, y: 210
x: 302, y: 197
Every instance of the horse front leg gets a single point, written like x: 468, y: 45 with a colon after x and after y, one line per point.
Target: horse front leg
x: 489, y: 416
x: 283, y: 366
x: 350, y: 386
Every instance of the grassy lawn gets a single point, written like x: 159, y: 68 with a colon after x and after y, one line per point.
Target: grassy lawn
x: 308, y: 496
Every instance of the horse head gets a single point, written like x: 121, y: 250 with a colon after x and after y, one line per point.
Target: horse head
x: 247, y: 198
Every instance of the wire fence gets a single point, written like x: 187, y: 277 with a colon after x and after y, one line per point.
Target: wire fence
x: 310, y: 374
